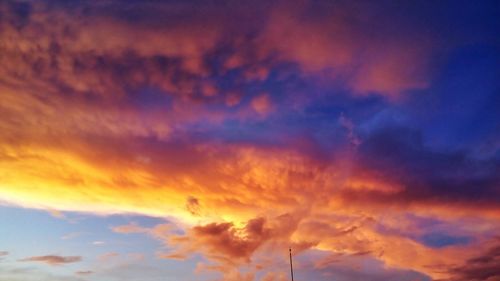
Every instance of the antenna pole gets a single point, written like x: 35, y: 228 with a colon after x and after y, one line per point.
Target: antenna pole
x: 291, y: 264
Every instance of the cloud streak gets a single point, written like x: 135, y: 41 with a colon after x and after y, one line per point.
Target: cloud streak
x: 53, y: 259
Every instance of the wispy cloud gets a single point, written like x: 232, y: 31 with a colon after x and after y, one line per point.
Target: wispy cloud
x: 84, y: 272
x: 53, y: 259
x: 72, y: 235
x: 108, y: 256
x: 129, y: 228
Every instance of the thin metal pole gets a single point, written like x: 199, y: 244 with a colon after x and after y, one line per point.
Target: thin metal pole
x: 291, y: 264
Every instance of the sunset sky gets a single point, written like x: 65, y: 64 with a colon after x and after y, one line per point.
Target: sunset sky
x: 199, y: 140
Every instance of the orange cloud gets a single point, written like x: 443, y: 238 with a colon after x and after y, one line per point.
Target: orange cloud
x: 483, y: 266
x: 230, y: 188
x: 171, y: 56
x: 129, y: 228
x: 336, y: 44
x: 261, y: 104
x: 223, y: 241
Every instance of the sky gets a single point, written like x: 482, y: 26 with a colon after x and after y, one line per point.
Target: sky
x: 200, y: 140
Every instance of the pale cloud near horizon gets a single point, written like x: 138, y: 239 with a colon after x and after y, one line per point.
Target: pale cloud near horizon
x: 53, y: 259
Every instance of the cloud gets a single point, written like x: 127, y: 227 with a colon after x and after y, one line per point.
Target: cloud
x: 14, y: 273
x: 352, y: 267
x: 428, y: 176
x: 238, y: 182
x: 261, y: 104
x: 271, y: 276
x: 349, y: 126
x: 3, y: 254
x: 108, y: 256
x: 53, y: 260
x: 230, y: 246
x: 159, y: 231
x: 129, y: 228
x: 252, y: 181
x: 329, y: 38
x: 193, y: 205
x: 84, y: 272
x: 64, y: 58
x: 56, y: 214
x: 72, y: 235
x: 485, y: 266
x: 222, y: 238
